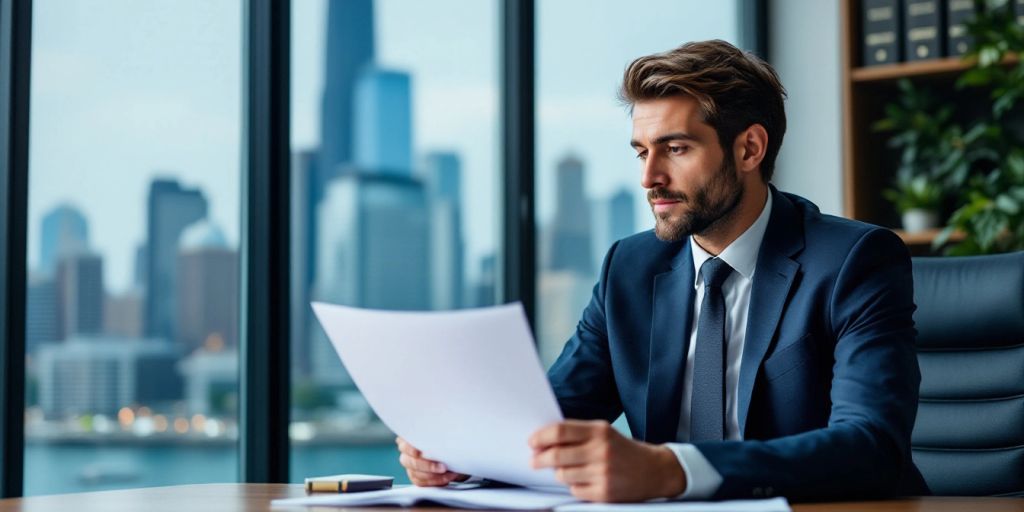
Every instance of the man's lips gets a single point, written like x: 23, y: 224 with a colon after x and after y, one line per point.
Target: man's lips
x: 664, y: 204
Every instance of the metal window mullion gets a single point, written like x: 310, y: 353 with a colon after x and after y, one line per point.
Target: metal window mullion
x: 15, y: 59
x: 753, y: 26
x: 517, y: 107
x: 264, y: 367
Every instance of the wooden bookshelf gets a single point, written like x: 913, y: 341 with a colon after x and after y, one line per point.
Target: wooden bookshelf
x: 946, y: 68
x: 868, y: 163
x: 892, y: 72
x: 925, y: 238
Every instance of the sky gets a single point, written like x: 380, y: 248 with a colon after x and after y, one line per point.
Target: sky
x: 124, y: 91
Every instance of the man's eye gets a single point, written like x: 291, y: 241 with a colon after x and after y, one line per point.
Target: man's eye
x: 642, y: 155
x: 677, y: 150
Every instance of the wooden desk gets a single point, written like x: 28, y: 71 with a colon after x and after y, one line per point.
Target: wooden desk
x: 256, y: 497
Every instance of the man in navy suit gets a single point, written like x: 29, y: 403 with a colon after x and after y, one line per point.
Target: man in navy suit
x: 756, y: 347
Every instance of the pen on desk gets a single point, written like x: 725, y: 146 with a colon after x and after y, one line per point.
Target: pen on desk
x: 348, y: 483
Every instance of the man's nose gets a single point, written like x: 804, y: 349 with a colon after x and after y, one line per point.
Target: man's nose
x: 652, y: 175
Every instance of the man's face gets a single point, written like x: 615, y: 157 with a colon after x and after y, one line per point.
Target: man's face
x: 691, y: 183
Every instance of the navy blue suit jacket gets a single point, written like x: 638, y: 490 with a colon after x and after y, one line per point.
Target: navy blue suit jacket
x: 828, y: 384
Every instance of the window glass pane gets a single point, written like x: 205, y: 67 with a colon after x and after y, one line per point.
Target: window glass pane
x: 132, y: 292
x: 395, y: 192
x: 588, y: 180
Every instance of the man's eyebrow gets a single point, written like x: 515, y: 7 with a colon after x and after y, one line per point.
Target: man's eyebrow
x: 665, y: 138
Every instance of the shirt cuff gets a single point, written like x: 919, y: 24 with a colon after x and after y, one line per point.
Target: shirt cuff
x: 702, y: 481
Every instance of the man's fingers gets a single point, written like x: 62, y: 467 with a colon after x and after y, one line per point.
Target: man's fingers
x: 573, y: 475
x: 559, y: 456
x: 405, y: 447
x: 422, y: 479
x: 422, y: 465
x: 565, y: 432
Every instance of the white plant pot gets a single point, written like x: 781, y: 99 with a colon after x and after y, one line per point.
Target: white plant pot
x: 917, y: 220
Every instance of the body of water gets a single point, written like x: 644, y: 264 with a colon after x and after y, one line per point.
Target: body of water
x: 62, y: 468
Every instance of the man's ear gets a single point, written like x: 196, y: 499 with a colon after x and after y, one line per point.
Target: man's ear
x: 749, y: 148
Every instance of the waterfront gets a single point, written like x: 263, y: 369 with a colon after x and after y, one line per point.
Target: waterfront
x: 61, y: 468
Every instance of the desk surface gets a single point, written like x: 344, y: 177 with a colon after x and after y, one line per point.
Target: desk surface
x: 252, y: 497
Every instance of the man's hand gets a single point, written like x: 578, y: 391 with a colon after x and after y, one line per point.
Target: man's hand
x: 599, y: 464
x: 424, y: 472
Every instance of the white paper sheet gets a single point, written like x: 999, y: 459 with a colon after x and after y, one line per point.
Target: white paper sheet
x: 507, y: 499
x: 521, y: 499
x: 465, y: 387
x: 769, y: 505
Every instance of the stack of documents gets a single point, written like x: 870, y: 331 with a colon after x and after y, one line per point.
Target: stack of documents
x: 520, y: 499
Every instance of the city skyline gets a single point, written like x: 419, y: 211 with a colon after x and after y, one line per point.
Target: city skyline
x: 189, y: 78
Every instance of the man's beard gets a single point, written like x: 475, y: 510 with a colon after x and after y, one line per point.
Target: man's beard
x: 704, y: 214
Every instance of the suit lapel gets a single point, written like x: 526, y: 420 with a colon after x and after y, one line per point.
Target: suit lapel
x: 773, y: 279
x: 670, y: 329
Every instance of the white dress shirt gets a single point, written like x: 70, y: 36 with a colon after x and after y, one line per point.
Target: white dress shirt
x: 701, y: 477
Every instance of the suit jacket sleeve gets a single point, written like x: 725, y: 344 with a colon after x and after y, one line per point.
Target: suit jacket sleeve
x: 582, y: 376
x: 864, y: 450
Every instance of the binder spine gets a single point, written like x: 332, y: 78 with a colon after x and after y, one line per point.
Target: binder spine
x: 958, y: 42
x: 923, y: 34
x: 881, y: 29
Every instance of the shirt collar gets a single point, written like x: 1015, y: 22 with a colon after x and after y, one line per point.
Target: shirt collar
x: 741, y: 254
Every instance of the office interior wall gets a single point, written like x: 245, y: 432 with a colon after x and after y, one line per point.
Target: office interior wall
x: 804, y: 37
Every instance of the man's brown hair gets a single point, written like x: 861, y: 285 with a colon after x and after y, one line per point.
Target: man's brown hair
x: 734, y: 89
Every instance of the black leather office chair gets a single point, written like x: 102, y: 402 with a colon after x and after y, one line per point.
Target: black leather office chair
x: 969, y: 436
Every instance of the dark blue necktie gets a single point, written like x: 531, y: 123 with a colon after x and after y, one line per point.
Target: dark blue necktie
x: 707, y: 406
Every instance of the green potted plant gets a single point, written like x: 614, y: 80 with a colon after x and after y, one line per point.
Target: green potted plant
x: 918, y: 200
x: 932, y: 155
x: 990, y: 212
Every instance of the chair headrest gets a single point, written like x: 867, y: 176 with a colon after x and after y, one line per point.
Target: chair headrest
x: 969, y: 302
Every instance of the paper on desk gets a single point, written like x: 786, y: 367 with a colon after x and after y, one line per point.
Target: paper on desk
x: 520, y: 499
x: 465, y: 387
x: 769, y: 505
x: 506, y: 499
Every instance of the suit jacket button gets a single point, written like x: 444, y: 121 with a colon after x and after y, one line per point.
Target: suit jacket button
x: 758, y: 492
x: 768, y: 492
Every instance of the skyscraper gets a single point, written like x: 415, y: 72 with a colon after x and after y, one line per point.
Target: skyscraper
x: 42, y: 323
x: 64, y: 231
x: 383, y: 142
x: 375, y: 243
x: 570, y: 229
x: 443, y: 174
x: 622, y: 213
x: 80, y: 295
x: 374, y: 252
x: 349, y: 49
x: 207, y: 313
x: 303, y: 257
x: 170, y: 209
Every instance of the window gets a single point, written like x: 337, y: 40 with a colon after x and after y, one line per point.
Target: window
x: 396, y: 204
x: 588, y: 180
x: 132, y: 292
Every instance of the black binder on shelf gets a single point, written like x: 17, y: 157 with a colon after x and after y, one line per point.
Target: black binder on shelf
x: 957, y: 13
x: 923, y: 34
x: 881, y: 32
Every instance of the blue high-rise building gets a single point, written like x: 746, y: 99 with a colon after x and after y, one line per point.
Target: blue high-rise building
x: 622, y: 213
x: 374, y: 243
x: 64, y: 232
x: 570, y: 230
x: 383, y: 140
x: 170, y: 209
x: 443, y: 174
x: 349, y: 49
